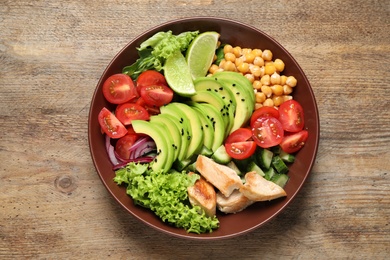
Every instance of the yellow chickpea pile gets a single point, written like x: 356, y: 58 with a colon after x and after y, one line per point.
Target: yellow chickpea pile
x: 270, y: 86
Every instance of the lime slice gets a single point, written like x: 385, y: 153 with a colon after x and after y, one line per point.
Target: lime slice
x: 178, y: 76
x: 201, y: 52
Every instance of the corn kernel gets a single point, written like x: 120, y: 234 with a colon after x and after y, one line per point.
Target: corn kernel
x: 275, y: 78
x: 267, y: 55
x: 260, y: 97
x: 266, y: 90
x: 277, y: 90
x: 291, y: 81
x: 268, y: 102
x: 279, y: 65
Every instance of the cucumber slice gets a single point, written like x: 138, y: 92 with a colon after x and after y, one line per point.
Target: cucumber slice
x: 221, y: 156
x: 264, y: 158
x: 269, y: 174
x: 280, y: 179
x: 289, y: 158
x: 279, y: 165
x: 254, y: 167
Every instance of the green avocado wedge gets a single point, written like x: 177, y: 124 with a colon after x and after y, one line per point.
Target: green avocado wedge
x: 168, y: 121
x: 194, y: 123
x: 217, y: 122
x: 243, y: 95
x: 165, y: 152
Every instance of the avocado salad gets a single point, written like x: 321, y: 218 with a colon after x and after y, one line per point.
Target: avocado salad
x: 166, y: 116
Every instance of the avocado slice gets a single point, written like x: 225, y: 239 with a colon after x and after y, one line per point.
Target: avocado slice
x: 243, y: 94
x: 217, y: 122
x: 211, y: 84
x: 182, y: 122
x: 214, y: 99
x: 195, y: 126
x: 207, y: 126
x: 165, y: 152
x: 173, y: 129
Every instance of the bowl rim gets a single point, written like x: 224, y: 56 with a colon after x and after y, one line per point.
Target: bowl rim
x: 196, y: 19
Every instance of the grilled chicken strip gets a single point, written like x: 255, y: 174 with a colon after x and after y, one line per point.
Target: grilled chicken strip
x: 236, y: 202
x: 257, y: 188
x: 222, y: 177
x: 203, y: 194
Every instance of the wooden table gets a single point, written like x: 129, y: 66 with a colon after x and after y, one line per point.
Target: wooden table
x: 53, y: 205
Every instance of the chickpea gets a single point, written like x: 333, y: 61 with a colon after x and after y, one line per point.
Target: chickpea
x: 230, y: 57
x: 268, y: 102
x: 267, y: 55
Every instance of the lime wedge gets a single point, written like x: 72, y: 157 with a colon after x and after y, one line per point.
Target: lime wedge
x: 178, y: 76
x: 201, y: 52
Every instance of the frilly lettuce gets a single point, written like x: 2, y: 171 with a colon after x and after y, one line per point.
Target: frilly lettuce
x: 154, y: 51
x: 166, y: 195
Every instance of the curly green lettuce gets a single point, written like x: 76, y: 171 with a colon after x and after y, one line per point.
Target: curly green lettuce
x: 166, y: 195
x: 155, y: 50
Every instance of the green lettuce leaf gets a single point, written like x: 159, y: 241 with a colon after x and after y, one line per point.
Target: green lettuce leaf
x: 166, y: 195
x: 155, y: 50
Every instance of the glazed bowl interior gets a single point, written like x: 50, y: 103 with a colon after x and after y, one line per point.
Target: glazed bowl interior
x: 236, y: 34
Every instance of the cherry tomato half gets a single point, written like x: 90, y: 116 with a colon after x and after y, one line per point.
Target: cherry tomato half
x: 119, y: 88
x: 291, y: 116
x: 156, y: 95
x: 123, y: 145
x: 294, y: 142
x: 239, y: 145
x: 110, y: 124
x: 151, y: 78
x: 153, y: 110
x: 128, y: 112
x: 267, y: 131
x: 264, y: 111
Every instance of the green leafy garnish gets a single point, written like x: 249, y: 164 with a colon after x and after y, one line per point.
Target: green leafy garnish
x: 154, y: 51
x: 166, y: 195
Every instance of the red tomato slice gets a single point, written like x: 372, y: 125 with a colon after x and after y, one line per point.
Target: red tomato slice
x: 291, y: 116
x: 264, y: 111
x: 156, y: 95
x: 239, y: 135
x: 294, y: 142
x: 238, y: 146
x: 153, y: 110
x: 119, y: 88
x: 110, y: 124
x: 123, y: 145
x: 241, y: 150
x: 151, y: 78
x: 267, y: 131
x: 128, y: 112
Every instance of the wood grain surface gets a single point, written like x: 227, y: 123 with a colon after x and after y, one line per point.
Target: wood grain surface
x: 54, y: 206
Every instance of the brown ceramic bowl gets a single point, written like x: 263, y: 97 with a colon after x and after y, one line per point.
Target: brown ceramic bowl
x: 236, y: 34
